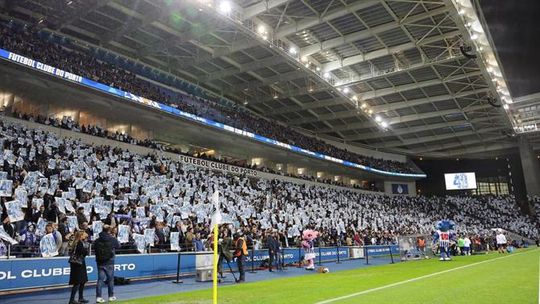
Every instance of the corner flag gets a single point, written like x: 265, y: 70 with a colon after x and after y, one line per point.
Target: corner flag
x: 214, y: 225
x: 216, y: 217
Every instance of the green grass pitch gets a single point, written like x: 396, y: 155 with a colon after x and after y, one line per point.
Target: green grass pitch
x: 492, y: 278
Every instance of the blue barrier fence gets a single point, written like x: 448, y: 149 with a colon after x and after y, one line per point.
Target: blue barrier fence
x: 27, y: 273
x: 376, y: 250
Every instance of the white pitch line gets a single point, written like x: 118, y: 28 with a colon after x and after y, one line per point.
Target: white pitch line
x: 421, y: 278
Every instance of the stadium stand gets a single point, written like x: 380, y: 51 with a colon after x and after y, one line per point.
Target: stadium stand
x: 59, y: 52
x: 50, y: 179
x: 69, y: 124
x: 384, y: 150
x: 535, y: 201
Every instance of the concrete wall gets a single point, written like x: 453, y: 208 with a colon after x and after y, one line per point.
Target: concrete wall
x: 531, y: 167
x: 368, y: 152
x: 137, y: 131
x: 360, y: 150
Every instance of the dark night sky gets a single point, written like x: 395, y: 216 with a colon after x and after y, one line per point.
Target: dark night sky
x: 514, y: 26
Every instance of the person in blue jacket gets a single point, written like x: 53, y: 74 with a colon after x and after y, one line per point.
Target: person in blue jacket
x: 105, y: 247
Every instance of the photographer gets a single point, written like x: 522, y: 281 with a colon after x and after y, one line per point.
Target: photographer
x: 224, y: 249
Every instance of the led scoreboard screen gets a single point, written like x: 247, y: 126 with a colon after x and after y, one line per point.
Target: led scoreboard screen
x: 460, y: 181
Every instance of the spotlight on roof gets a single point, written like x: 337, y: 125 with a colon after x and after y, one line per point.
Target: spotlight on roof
x: 346, y: 90
x: 225, y: 7
x: 326, y: 75
x: 466, y: 52
x: 261, y: 29
x: 378, y: 118
x: 508, y: 134
x: 292, y: 50
x: 493, y: 102
x: 384, y: 124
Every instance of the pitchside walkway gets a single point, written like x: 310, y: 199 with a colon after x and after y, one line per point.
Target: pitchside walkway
x: 165, y: 286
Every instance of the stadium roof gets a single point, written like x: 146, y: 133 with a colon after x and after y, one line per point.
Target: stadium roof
x: 388, y: 74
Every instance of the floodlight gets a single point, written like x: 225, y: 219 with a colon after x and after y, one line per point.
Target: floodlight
x: 225, y: 7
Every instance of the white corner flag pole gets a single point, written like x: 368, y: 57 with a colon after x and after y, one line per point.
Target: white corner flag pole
x: 215, y: 272
x: 216, y: 220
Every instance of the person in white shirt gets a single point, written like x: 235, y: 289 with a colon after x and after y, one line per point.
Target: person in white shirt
x: 467, y: 245
x: 501, y: 242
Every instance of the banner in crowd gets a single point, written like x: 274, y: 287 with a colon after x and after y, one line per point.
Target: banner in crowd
x: 41, y: 224
x: 97, y: 227
x: 175, y: 241
x: 400, y: 189
x: 73, y: 224
x: 139, y: 242
x: 123, y: 234
x: 6, y: 188
x: 14, y: 211
x: 4, y: 236
x: 12, y: 57
x: 47, y: 246
x: 217, y: 166
x: 140, y: 212
x: 149, y: 234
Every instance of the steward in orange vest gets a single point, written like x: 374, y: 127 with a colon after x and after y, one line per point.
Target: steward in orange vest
x: 240, y: 247
x: 240, y: 253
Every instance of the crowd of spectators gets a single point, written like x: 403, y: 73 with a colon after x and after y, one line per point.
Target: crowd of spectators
x: 68, y: 123
x: 60, y: 53
x: 535, y: 202
x: 51, y: 186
